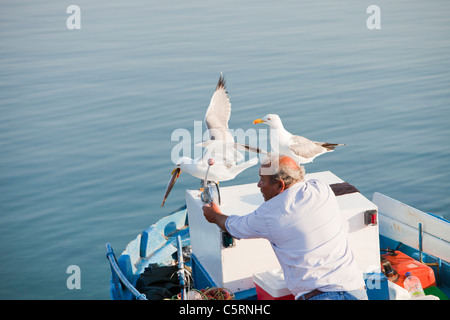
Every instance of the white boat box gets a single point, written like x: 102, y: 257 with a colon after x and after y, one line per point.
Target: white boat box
x: 233, y: 267
x: 363, y: 239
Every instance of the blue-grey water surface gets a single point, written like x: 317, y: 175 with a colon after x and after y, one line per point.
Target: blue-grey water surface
x: 86, y: 116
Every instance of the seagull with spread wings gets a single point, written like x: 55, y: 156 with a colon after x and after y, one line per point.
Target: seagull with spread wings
x: 220, y: 146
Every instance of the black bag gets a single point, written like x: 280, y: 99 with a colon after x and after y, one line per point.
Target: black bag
x: 158, y: 283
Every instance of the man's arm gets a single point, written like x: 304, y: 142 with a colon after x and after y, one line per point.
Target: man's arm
x: 212, y: 214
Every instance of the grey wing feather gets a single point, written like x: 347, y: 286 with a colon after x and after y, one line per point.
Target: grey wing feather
x: 305, y: 148
x: 246, y: 147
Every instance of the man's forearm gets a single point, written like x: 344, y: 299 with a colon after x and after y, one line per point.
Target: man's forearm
x: 220, y: 220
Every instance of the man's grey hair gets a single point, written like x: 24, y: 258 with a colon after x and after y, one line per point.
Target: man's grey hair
x: 279, y: 169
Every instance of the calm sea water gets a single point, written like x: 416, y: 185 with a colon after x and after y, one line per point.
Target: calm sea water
x: 86, y: 115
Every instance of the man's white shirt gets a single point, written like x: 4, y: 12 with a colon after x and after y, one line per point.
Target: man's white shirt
x: 304, y: 226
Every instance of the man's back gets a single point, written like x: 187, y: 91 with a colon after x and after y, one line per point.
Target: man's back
x: 303, y: 217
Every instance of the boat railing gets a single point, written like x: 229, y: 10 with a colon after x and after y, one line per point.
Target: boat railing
x: 118, y: 274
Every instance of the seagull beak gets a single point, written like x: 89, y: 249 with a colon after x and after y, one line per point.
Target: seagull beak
x: 178, y: 170
x: 175, y: 174
x: 258, y: 121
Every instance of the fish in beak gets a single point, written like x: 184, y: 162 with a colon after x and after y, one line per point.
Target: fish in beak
x: 258, y: 121
x: 175, y: 174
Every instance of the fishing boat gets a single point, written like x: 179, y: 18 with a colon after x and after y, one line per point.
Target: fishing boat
x: 388, y: 239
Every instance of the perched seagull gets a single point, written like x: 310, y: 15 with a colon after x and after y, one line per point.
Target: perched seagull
x: 221, y: 146
x: 301, y: 149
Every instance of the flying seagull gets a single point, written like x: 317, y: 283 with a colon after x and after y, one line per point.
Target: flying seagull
x: 299, y: 148
x: 220, y: 146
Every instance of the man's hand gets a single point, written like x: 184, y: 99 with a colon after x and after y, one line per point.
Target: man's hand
x: 210, y: 211
x: 212, y: 214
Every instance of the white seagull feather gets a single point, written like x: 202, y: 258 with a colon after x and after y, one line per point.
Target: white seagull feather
x: 220, y: 146
x: 299, y: 148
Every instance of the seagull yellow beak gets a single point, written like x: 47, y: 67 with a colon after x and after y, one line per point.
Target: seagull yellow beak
x: 176, y: 169
x: 258, y: 121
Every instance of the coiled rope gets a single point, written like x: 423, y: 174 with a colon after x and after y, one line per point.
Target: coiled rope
x: 214, y: 293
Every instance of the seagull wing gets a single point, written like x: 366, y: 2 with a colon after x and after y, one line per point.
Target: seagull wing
x: 305, y: 148
x: 218, y: 113
x: 237, y: 169
x: 246, y: 147
x: 221, y: 151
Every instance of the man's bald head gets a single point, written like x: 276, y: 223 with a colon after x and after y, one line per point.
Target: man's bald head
x: 281, y: 167
x: 288, y: 162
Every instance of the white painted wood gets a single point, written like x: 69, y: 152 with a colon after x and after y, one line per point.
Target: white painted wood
x: 410, y: 236
x: 412, y: 217
x: 400, y: 222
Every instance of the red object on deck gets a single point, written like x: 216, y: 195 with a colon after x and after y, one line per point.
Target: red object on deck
x: 264, y: 295
x: 403, y: 263
x: 270, y: 285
